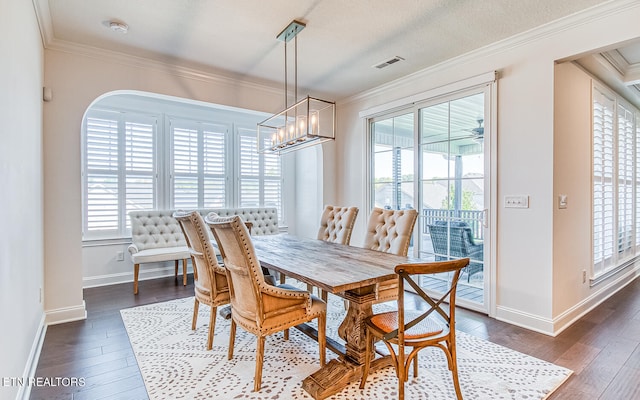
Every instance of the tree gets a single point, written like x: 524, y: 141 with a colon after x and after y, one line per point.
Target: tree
x: 467, y: 199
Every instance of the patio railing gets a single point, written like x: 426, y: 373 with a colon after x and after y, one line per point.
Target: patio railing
x: 472, y: 217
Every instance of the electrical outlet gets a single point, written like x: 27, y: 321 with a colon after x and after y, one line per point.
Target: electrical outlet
x: 516, y: 201
x: 120, y: 256
x: 584, y: 276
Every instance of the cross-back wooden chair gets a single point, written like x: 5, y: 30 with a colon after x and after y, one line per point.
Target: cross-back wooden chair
x: 417, y: 329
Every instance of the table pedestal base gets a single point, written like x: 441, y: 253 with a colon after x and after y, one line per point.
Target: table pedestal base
x: 336, y: 375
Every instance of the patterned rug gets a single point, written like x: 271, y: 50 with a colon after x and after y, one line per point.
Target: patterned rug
x: 176, y: 365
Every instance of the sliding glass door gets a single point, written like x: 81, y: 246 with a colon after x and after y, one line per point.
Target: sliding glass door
x: 452, y: 188
x: 433, y: 157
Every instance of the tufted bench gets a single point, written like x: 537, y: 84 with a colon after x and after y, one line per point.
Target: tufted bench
x: 156, y: 236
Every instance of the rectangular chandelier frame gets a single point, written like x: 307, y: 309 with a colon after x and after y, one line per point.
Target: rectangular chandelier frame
x: 308, y: 122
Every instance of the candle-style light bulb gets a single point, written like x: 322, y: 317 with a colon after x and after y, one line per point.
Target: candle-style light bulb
x: 314, y: 122
x: 291, y: 130
x: 301, y: 126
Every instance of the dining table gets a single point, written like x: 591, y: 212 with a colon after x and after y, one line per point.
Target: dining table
x: 350, y: 272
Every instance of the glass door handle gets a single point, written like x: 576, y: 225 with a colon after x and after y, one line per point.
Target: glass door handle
x: 485, y: 218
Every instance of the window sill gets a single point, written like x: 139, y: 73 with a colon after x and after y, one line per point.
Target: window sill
x: 96, y: 242
x: 613, y: 271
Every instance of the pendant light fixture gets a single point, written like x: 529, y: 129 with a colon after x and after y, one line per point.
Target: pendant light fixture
x: 307, y: 122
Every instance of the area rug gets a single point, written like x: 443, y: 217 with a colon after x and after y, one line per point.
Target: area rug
x: 175, y: 364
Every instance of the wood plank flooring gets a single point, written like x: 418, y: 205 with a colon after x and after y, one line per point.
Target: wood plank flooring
x: 603, y: 347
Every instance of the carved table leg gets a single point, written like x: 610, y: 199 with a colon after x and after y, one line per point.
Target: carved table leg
x: 353, y: 330
x: 338, y: 373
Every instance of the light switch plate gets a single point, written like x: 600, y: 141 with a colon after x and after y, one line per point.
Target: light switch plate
x: 516, y: 201
x: 562, y: 201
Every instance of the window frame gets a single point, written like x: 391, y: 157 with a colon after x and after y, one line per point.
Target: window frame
x: 619, y: 256
x: 232, y: 119
x: 122, y: 119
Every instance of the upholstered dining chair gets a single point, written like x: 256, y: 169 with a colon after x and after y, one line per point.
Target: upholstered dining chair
x: 432, y: 326
x: 260, y: 308
x: 336, y: 224
x: 210, y: 279
x: 390, y: 231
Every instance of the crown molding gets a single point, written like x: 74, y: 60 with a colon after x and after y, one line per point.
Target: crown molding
x: 43, y: 15
x: 522, y: 39
x: 607, y: 61
x: 629, y: 74
x: 200, y: 74
x: 632, y: 74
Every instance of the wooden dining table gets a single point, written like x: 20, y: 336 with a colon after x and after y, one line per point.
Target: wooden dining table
x: 350, y: 272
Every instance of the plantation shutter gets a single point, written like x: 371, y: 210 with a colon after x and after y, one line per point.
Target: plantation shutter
x: 603, y: 184
x: 626, y: 163
x: 139, y: 167
x: 102, y: 174
x: 199, y: 165
x: 249, y: 172
x: 260, y: 180
x: 185, y: 168
x: 119, y: 170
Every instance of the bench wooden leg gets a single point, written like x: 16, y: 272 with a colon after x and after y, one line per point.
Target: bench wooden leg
x: 184, y: 272
x: 283, y: 278
x: 176, y: 269
x: 136, y: 270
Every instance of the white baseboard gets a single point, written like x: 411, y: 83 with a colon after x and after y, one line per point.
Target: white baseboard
x: 525, y: 320
x: 125, y: 277
x: 555, y: 326
x: 66, y: 314
x: 32, y: 362
x: 564, y: 320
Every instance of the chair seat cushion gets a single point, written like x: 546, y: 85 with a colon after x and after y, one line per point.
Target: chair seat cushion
x: 388, y: 322
x: 161, y: 254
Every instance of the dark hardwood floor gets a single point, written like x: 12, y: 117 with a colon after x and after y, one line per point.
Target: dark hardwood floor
x: 603, y: 347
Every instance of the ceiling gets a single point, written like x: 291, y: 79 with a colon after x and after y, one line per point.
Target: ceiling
x: 337, y: 49
x: 619, y: 68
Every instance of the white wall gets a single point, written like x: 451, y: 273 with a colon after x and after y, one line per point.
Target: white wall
x: 524, y: 291
x: 21, y: 240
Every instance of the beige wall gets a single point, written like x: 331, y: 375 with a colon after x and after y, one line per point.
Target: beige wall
x: 572, y: 226
x: 21, y: 240
x: 534, y: 286
x: 76, y: 81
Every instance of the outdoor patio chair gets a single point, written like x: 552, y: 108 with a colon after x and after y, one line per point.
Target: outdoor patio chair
x: 458, y: 244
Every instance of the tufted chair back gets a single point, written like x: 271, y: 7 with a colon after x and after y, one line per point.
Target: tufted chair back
x: 390, y: 231
x: 242, y: 266
x: 209, y: 277
x: 155, y: 229
x: 336, y: 224
x: 264, y: 220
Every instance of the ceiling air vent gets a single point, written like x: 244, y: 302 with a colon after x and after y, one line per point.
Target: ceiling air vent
x: 388, y: 62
